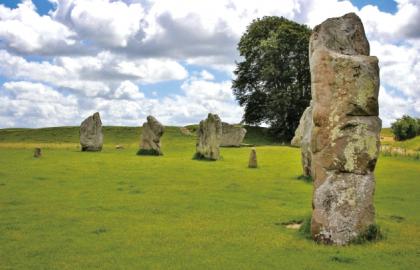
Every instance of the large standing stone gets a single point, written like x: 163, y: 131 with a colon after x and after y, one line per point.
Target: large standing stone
x: 345, y: 136
x: 232, y: 135
x: 91, y: 138
x: 209, y: 135
x: 150, y: 137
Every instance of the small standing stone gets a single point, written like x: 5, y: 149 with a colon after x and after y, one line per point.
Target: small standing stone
x: 37, y: 153
x: 253, y: 159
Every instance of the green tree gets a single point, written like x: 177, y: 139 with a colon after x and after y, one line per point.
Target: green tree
x: 418, y: 126
x: 405, y: 128
x: 273, y: 80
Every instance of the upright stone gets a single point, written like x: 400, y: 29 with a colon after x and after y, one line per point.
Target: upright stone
x: 345, y: 136
x: 91, y: 138
x: 253, y: 159
x: 302, y: 139
x: 37, y: 152
x: 209, y: 135
x: 150, y: 137
x: 232, y: 135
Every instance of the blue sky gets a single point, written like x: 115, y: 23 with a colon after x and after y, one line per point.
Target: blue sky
x: 61, y: 60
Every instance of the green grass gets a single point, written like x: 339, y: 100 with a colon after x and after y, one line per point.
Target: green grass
x: 412, y: 144
x: 387, y: 132
x: 117, y: 210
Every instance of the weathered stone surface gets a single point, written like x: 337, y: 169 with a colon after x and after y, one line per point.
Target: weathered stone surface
x: 344, y: 35
x: 305, y: 119
x: 344, y: 140
x: 37, y: 152
x: 253, y: 159
x: 232, y: 135
x: 91, y: 137
x: 209, y: 135
x: 150, y: 137
x: 302, y: 139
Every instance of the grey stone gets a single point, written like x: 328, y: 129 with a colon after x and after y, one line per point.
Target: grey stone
x: 302, y: 139
x: 37, y: 152
x: 344, y: 141
x: 232, y: 135
x: 150, y: 137
x: 253, y: 159
x: 91, y: 137
x: 209, y: 135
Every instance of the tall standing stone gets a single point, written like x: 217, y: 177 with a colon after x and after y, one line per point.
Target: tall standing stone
x: 232, y: 135
x: 345, y: 136
x: 91, y: 137
x: 209, y: 135
x: 150, y: 137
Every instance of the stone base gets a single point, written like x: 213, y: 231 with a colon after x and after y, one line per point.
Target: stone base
x: 149, y: 152
x: 343, y: 207
x: 199, y: 156
x: 91, y: 149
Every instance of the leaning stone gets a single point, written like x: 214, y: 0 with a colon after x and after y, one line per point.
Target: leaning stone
x: 305, y: 148
x: 150, y: 137
x: 253, y: 159
x: 232, y: 135
x: 299, y: 132
x: 302, y: 139
x: 37, y: 153
x: 91, y: 138
x: 345, y: 139
x: 209, y: 135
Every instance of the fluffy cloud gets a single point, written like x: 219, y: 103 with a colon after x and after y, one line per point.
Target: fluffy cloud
x: 109, y: 23
x: 24, y: 30
x: 95, y: 55
x: 27, y: 104
x: 90, y: 75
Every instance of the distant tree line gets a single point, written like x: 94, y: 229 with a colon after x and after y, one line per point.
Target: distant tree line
x: 405, y: 128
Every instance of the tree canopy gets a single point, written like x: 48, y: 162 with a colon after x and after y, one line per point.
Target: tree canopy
x: 273, y: 80
x: 405, y: 128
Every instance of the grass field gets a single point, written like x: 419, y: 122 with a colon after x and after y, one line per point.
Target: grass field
x: 116, y: 210
x: 410, y: 144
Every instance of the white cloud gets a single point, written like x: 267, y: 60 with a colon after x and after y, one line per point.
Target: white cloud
x: 109, y: 23
x: 399, y: 67
x: 100, y: 51
x: 26, y: 104
x: 392, y: 106
x: 91, y: 75
x: 128, y: 90
x: 24, y: 30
